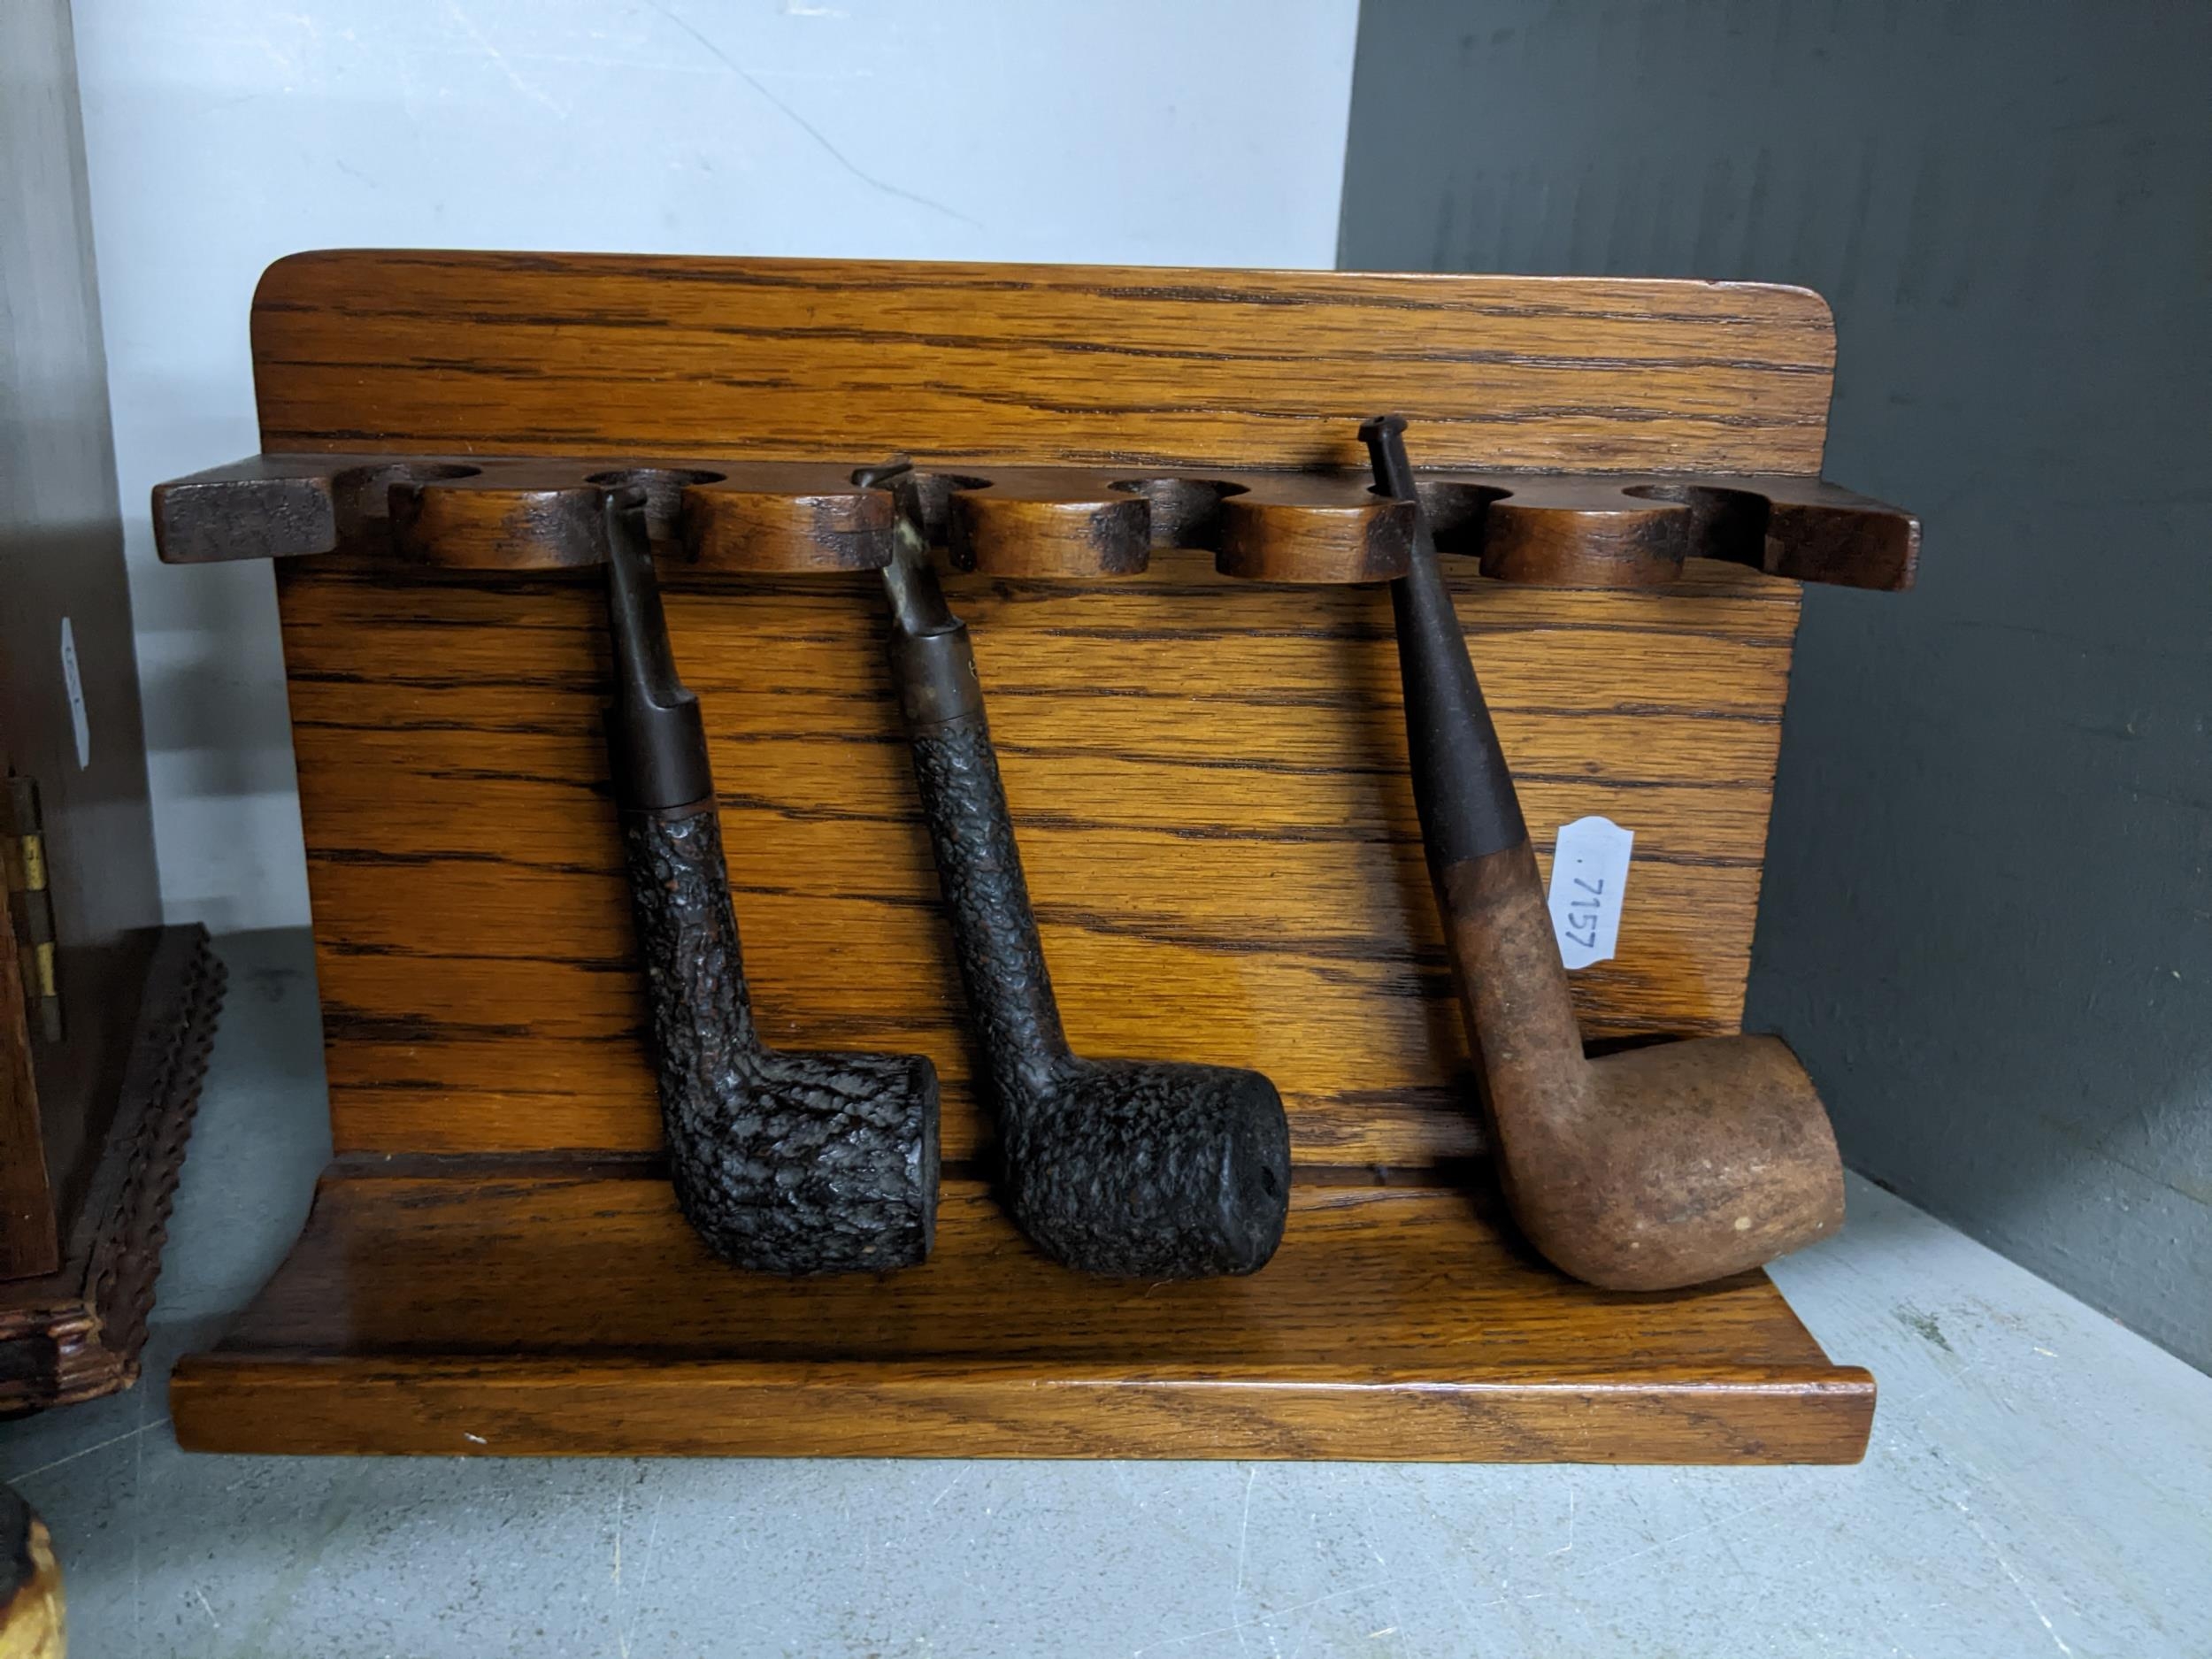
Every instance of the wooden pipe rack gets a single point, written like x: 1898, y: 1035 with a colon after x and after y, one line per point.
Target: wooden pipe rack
x: 739, y: 517
x: 1144, y: 484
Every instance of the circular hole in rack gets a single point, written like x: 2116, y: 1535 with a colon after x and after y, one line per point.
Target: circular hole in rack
x: 664, y: 487
x: 1186, y: 512
x: 1725, y: 524
x: 1454, y: 511
x: 930, y: 493
x: 362, y: 495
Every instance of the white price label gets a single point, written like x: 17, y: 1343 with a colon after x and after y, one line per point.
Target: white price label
x: 72, y: 684
x: 1589, y: 879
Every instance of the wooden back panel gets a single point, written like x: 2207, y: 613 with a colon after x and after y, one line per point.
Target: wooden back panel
x: 1208, y: 776
x: 799, y: 359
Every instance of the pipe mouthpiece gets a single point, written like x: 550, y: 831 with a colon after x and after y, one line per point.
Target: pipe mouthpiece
x: 884, y: 475
x: 657, y: 744
x: 1385, y: 438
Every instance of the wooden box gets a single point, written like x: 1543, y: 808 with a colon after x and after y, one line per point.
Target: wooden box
x: 1208, y: 774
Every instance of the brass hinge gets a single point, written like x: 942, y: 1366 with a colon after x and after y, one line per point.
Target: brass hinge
x: 31, y: 904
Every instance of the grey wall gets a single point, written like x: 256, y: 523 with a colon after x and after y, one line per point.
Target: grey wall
x: 61, y: 566
x: 1987, y: 923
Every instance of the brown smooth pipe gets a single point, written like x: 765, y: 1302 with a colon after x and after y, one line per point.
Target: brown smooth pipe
x: 1648, y: 1170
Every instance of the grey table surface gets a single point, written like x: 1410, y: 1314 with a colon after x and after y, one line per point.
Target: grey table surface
x: 2040, y: 1482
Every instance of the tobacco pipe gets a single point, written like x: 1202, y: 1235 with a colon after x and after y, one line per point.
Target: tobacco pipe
x: 785, y: 1161
x: 1146, y: 1169
x: 1648, y: 1170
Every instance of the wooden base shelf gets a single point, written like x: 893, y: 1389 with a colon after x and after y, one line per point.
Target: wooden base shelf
x: 530, y: 1306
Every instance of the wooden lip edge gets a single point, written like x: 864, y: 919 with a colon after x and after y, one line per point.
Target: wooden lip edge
x: 404, y: 1405
x: 1263, y: 283
x: 1448, y: 1179
x: 1327, y: 542
x: 555, y: 1368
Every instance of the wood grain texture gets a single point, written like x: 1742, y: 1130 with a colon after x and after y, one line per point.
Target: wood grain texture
x: 786, y: 518
x: 1312, y: 527
x: 536, y: 1310
x: 1207, y: 775
x: 1209, y: 779
x: 1046, y: 521
x: 1181, y: 754
x: 801, y: 359
x: 1586, y: 530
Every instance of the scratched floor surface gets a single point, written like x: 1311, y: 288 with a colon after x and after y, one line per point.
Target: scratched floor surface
x: 2041, y: 1481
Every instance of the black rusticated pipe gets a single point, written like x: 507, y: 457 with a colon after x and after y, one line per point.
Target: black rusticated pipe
x: 1143, y: 1169
x: 785, y: 1161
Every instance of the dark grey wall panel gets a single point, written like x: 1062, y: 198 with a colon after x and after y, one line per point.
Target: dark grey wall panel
x: 1987, y: 923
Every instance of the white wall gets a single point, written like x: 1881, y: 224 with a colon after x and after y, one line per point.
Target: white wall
x: 221, y: 135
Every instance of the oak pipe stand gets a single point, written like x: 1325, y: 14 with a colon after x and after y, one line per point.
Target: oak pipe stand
x: 1150, y: 503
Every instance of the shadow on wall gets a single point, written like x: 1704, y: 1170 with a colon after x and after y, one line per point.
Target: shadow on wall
x: 219, y: 745
x: 1987, y: 923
